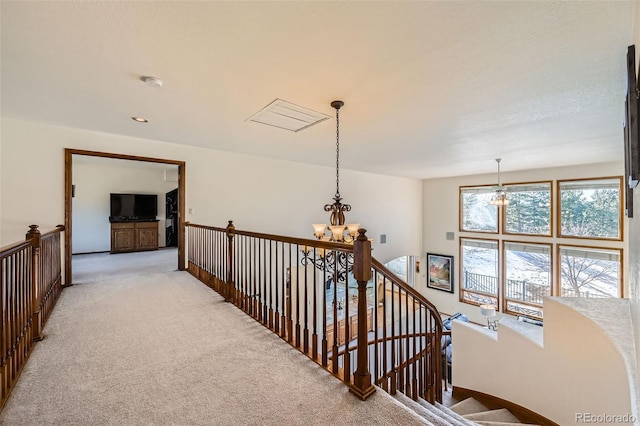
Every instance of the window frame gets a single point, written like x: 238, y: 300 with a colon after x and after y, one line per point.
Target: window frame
x: 621, y: 198
x: 461, y: 211
x: 555, y: 240
x: 558, y: 278
x: 551, y: 219
x: 504, y: 283
x: 461, y: 275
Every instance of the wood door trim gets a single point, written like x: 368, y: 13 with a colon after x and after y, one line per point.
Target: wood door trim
x: 68, y: 181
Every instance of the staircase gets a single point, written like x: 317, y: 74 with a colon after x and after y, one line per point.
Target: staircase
x: 469, y: 412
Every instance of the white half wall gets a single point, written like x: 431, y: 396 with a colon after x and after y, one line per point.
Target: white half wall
x: 441, y: 215
x: 94, y: 182
x: 258, y: 194
x: 580, y: 365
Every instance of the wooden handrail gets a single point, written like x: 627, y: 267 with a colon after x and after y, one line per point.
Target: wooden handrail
x: 13, y: 248
x: 58, y: 229
x: 330, y: 245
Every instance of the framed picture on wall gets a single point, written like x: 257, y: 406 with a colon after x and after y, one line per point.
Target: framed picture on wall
x: 440, y: 272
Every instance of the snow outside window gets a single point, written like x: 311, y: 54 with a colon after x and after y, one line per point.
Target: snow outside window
x: 589, y: 272
x: 527, y: 277
x: 479, y: 271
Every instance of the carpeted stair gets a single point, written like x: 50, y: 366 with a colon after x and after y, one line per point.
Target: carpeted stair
x: 469, y: 412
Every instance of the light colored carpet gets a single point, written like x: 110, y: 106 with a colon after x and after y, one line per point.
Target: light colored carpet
x: 141, y: 346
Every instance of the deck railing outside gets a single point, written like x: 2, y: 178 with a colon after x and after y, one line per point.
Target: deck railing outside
x: 332, y: 301
x: 30, y: 283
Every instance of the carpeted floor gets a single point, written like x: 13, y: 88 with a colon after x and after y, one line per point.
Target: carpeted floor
x: 137, y: 343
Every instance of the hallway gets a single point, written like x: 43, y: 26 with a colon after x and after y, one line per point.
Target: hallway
x: 151, y: 345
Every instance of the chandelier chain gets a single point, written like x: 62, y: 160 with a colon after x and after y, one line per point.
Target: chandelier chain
x: 338, y: 153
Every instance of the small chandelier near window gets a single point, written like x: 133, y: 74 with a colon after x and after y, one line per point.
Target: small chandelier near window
x: 499, y: 198
x: 337, y: 209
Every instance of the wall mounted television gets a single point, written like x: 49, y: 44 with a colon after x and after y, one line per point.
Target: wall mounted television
x: 133, y: 207
x: 631, y: 131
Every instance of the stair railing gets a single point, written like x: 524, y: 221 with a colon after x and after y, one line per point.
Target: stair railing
x: 320, y: 297
x: 30, y: 283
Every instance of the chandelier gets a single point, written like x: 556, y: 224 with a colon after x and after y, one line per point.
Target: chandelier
x: 337, y: 208
x: 337, y: 263
x: 499, y: 197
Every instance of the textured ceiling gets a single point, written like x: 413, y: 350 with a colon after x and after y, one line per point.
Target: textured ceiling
x: 431, y: 89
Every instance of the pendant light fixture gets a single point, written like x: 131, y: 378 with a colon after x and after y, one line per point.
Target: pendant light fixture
x: 337, y: 208
x: 499, y: 198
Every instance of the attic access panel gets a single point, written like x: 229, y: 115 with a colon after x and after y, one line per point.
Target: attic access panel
x: 288, y: 116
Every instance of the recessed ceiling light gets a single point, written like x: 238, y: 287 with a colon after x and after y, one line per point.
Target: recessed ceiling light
x: 286, y: 115
x: 151, y: 81
x: 140, y: 119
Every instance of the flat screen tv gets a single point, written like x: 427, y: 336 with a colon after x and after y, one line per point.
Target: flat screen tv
x: 134, y: 206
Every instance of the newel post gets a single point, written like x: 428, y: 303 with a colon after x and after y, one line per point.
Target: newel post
x: 34, y: 236
x: 361, y: 385
x: 229, y: 291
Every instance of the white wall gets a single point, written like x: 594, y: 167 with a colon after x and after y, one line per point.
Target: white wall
x: 576, y: 368
x: 91, y: 204
x: 259, y: 194
x: 441, y: 210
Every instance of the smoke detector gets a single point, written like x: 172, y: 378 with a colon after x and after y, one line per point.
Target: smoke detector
x: 151, y: 81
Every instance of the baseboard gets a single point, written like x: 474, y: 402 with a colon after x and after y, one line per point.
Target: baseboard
x: 89, y: 252
x: 493, y: 402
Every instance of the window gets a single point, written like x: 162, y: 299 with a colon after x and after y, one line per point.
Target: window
x: 589, y: 272
x: 529, y: 209
x: 527, y: 277
x: 479, y: 279
x: 591, y: 208
x: 476, y: 214
x: 528, y: 256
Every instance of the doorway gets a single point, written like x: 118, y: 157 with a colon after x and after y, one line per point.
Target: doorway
x: 179, y: 211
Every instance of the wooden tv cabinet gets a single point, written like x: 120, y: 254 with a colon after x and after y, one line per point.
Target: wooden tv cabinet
x: 134, y: 236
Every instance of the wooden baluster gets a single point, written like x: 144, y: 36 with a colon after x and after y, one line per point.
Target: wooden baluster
x: 393, y: 375
x: 325, y: 346
x: 258, y: 294
x: 230, y: 290
x: 314, y: 336
x: 276, y: 323
x: 362, y: 386
x: 385, y: 360
x: 265, y: 280
x: 305, y: 331
x: 289, y: 302
x: 336, y: 320
x: 271, y: 283
x: 346, y: 359
x: 35, y: 237
x: 298, y: 344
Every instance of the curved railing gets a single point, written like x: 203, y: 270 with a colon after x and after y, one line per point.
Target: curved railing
x: 407, y: 355
x: 330, y: 300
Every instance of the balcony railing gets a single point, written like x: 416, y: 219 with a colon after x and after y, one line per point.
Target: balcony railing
x: 332, y: 301
x: 30, y: 283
